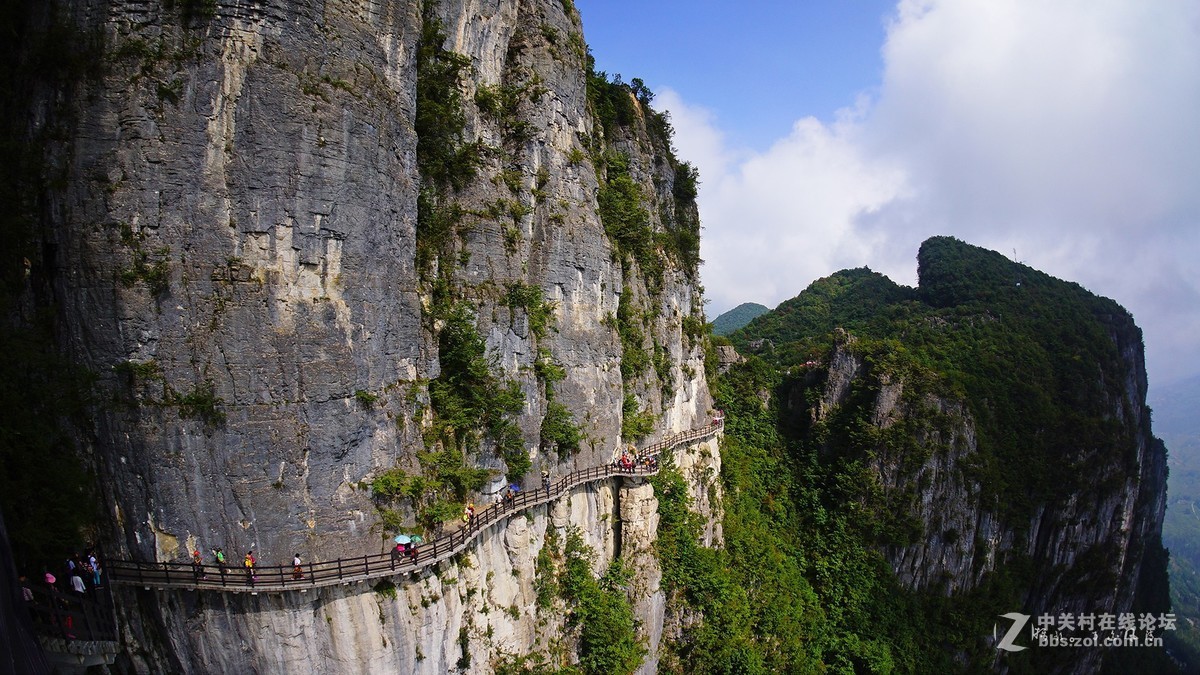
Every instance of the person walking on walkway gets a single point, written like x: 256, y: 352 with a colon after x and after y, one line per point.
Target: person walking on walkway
x: 297, y: 572
x: 197, y: 565
x: 249, y: 562
x: 77, y: 583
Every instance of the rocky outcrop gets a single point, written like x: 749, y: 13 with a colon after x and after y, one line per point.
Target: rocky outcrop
x: 231, y: 239
x: 1087, y: 547
x: 480, y: 609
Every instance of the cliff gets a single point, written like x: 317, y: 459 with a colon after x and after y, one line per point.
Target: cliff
x: 997, y: 420
x: 310, y: 250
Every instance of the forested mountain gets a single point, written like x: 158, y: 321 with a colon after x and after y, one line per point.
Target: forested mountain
x: 737, y: 317
x: 985, y: 434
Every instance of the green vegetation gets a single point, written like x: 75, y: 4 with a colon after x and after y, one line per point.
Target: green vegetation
x: 802, y: 585
x: 636, y: 423
x: 624, y: 208
x: 625, y: 218
x: 737, y: 317
x: 600, y: 610
x: 630, y: 323
x: 1030, y: 355
x: 386, y: 589
x: 201, y: 402
x: 446, y: 162
x: 436, y: 495
x: 797, y: 588
x: 467, y: 398
x: 154, y: 272
x: 443, y: 157
x: 545, y: 581
x: 559, y: 430
x: 531, y: 299
x: 365, y: 398
x: 502, y: 103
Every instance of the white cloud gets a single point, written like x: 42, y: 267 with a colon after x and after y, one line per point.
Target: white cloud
x: 1064, y: 130
x: 774, y: 217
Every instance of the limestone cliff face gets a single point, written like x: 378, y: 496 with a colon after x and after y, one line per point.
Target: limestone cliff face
x: 467, y: 616
x: 1086, y: 547
x: 231, y: 243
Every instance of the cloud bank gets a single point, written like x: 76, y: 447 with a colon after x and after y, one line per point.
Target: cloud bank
x: 1062, y: 133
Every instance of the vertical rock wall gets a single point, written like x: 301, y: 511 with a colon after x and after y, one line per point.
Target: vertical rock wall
x: 1087, y: 546
x: 229, y: 227
x: 466, y: 615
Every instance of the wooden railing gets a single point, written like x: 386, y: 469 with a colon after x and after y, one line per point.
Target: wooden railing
x: 72, y: 616
x: 366, y: 567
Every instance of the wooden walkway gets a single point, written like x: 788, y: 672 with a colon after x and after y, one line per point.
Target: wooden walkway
x: 344, y: 571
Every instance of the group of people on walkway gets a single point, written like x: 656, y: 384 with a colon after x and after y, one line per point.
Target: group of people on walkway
x: 249, y: 564
x: 629, y: 461
x: 62, y: 598
x: 80, y: 574
x: 410, y: 549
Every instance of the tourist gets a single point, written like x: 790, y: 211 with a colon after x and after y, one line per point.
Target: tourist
x: 77, y: 583
x: 297, y: 572
x: 197, y: 565
x: 94, y: 566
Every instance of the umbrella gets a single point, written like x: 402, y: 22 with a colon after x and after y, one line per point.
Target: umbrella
x: 402, y: 539
x: 514, y: 487
x: 417, y: 539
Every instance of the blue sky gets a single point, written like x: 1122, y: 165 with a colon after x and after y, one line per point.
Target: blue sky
x: 757, y: 63
x: 835, y: 133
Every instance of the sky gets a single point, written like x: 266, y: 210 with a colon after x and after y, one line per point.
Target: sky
x: 832, y: 134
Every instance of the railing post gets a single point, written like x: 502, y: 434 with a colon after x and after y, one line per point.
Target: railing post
x: 86, y: 614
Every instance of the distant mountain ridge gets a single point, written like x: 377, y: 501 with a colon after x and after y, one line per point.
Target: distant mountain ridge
x: 738, y: 317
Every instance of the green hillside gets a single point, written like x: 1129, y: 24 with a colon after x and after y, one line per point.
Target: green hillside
x: 737, y: 317
x: 802, y: 584
x: 1029, y: 353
